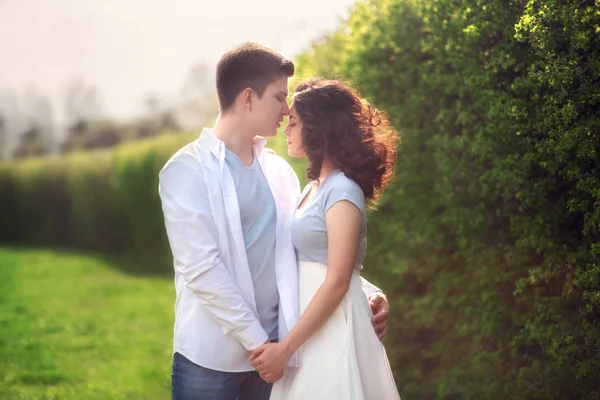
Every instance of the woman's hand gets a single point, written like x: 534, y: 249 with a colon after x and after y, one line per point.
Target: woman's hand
x: 269, y: 360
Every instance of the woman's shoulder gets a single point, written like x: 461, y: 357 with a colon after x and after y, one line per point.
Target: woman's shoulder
x: 339, y: 181
x: 340, y: 187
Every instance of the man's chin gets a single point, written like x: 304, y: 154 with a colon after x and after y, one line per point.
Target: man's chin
x: 270, y: 134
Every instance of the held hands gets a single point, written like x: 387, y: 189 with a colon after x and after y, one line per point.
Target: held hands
x: 381, y: 308
x: 269, y: 360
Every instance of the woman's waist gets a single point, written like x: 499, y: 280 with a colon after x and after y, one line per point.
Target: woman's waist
x: 320, y: 256
x: 315, y: 265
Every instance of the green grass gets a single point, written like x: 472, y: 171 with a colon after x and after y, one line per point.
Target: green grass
x: 74, y: 327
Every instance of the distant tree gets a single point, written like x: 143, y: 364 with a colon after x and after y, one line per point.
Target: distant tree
x: 82, y: 107
x: 31, y: 143
x: 197, y: 103
x: 81, y: 102
x: 161, y: 117
x: 3, y: 136
x: 11, y: 123
x: 35, y: 126
x: 94, y: 135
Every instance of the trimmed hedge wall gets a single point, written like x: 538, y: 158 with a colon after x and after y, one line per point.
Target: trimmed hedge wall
x: 105, y: 201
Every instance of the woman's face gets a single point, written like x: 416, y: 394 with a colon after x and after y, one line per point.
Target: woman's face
x: 293, y: 132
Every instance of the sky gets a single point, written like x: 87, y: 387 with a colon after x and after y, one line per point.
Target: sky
x: 129, y: 49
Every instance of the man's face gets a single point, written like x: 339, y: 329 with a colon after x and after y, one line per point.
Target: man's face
x: 268, y: 111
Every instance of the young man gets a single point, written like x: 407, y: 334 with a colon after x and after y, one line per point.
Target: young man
x: 227, y: 202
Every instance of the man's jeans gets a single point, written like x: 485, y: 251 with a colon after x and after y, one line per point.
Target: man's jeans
x: 193, y: 382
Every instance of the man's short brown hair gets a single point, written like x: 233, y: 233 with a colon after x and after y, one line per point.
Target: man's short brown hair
x: 248, y: 66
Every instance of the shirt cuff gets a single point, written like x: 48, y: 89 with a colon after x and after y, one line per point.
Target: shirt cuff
x: 253, y: 336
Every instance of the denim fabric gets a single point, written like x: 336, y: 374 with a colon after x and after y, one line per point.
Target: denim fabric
x: 193, y: 382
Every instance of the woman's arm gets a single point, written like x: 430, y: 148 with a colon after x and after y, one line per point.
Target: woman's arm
x: 343, y: 223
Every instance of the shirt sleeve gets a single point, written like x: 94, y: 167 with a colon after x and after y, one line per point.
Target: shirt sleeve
x: 369, y: 288
x: 344, y: 189
x: 193, y: 238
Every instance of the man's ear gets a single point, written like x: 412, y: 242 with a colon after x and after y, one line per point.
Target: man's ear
x: 247, y: 98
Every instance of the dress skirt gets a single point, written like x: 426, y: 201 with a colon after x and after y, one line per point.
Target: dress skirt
x: 344, y: 360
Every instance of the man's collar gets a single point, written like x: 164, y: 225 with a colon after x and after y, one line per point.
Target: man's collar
x: 259, y: 143
x: 212, y: 143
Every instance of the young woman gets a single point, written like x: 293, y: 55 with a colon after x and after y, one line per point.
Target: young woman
x: 351, y: 150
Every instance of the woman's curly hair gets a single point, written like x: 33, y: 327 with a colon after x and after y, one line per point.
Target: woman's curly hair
x: 355, y: 136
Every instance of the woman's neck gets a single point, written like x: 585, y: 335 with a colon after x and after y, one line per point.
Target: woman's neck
x: 327, y: 168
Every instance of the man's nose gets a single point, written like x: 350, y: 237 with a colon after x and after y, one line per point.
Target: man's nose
x: 286, y: 109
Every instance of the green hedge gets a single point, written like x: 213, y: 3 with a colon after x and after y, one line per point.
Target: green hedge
x: 491, y: 232
x: 105, y: 201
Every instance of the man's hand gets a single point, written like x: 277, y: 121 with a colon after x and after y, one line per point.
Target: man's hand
x: 381, y: 308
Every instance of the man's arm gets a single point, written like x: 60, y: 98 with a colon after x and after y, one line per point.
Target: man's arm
x: 193, y: 238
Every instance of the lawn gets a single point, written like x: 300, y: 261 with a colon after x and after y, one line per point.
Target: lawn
x: 77, y: 327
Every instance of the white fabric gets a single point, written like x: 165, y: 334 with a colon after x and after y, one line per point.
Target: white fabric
x: 215, y: 313
x: 344, y: 359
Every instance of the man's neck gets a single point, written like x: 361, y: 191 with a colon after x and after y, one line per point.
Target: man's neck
x: 237, y: 137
